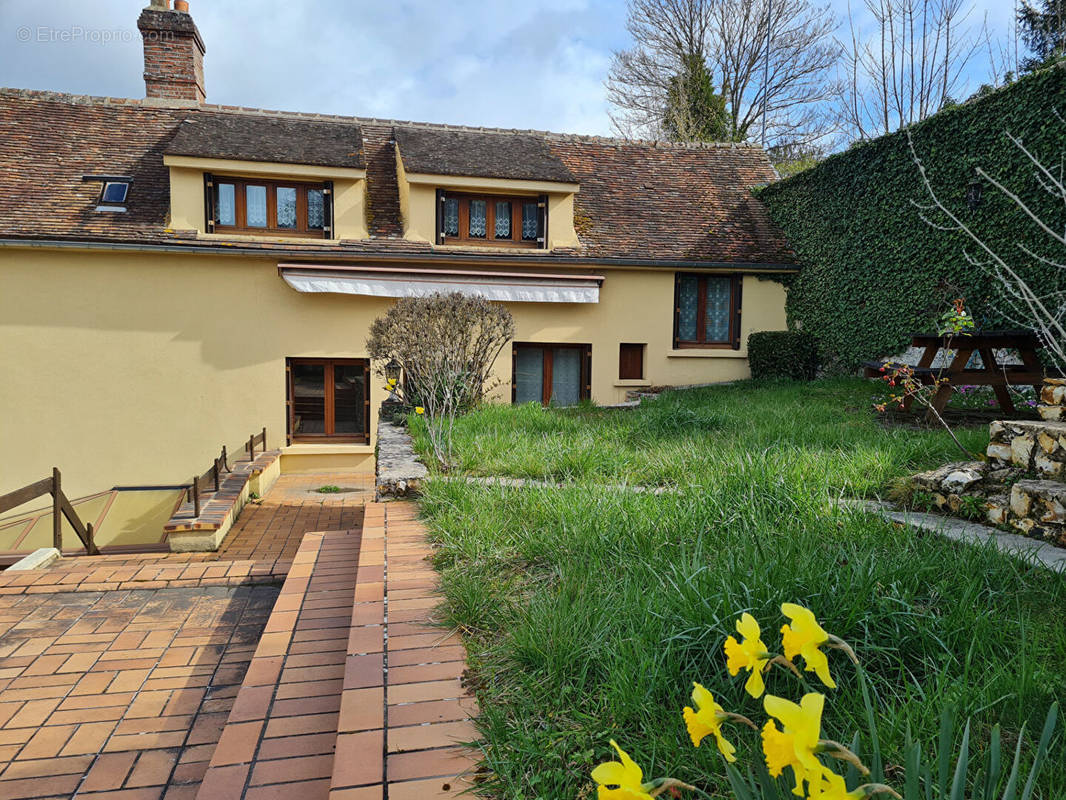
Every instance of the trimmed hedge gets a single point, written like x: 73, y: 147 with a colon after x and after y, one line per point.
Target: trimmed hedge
x: 783, y: 354
x: 873, y: 270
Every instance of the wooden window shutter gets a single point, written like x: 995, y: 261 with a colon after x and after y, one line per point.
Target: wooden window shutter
x: 514, y: 373
x: 542, y: 221
x: 209, y: 202
x: 677, y: 305
x: 327, y: 209
x: 738, y: 282
x: 440, y: 217
x: 366, y: 407
x: 288, y: 402
x: 587, y: 369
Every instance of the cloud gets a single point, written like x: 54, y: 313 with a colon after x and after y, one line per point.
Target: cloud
x: 510, y: 64
x: 531, y: 64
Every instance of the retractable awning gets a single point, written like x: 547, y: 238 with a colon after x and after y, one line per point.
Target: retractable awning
x: 509, y: 287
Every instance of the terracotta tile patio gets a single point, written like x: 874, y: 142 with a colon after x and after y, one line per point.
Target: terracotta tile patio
x: 136, y: 676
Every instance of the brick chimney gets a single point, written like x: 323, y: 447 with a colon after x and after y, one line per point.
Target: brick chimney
x: 173, y: 52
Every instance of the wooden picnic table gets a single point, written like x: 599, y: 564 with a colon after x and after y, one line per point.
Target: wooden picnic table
x: 1000, y: 377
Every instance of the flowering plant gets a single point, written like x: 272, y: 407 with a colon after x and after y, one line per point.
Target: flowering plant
x: 794, y: 751
x: 906, y: 387
x: 956, y: 321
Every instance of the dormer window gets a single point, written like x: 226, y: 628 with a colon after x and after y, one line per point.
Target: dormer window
x: 113, y: 191
x: 491, y: 220
x: 272, y: 207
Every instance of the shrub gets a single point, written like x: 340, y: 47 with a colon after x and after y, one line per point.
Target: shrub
x: 783, y: 354
x: 446, y: 345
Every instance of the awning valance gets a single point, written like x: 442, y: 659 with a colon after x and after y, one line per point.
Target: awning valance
x: 507, y: 287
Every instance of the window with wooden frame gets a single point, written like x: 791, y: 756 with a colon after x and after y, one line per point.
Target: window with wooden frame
x: 491, y: 220
x: 328, y: 399
x: 707, y: 311
x: 551, y: 374
x: 630, y: 361
x: 274, y: 207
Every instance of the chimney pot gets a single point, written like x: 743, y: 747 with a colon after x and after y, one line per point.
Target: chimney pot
x: 182, y: 6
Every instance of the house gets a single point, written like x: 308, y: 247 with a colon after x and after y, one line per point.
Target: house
x: 175, y: 274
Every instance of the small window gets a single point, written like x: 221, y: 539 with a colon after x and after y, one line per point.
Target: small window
x: 551, y: 374
x: 492, y: 220
x: 328, y: 399
x: 275, y: 207
x: 630, y: 362
x: 707, y: 311
x: 114, y: 192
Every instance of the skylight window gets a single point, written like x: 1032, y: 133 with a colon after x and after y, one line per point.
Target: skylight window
x: 114, y: 191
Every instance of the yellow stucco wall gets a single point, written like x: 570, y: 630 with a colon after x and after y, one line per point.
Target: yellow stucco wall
x: 134, y: 368
x: 187, y: 193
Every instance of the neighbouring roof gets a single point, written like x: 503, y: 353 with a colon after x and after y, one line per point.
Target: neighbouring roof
x: 638, y: 201
x: 518, y: 156
x: 249, y: 137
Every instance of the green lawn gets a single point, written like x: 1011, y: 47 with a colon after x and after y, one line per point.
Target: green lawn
x: 589, y: 612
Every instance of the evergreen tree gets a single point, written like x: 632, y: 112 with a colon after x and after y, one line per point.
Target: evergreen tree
x: 1043, y: 29
x: 694, y: 111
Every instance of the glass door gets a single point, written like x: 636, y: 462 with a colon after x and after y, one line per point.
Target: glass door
x: 552, y: 374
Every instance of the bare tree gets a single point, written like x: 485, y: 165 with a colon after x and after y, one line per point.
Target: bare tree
x: 1021, y: 303
x: 907, y: 68
x: 446, y: 345
x: 788, y: 72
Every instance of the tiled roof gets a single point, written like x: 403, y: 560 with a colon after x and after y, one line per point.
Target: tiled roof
x: 682, y: 204
x: 250, y: 137
x: 518, y: 156
x: 638, y: 201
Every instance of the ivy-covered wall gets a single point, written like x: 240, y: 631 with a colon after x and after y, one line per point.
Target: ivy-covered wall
x: 873, y: 270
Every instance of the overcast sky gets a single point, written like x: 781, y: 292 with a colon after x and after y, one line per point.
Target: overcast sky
x: 537, y: 64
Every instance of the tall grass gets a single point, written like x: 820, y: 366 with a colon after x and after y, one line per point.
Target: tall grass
x: 693, y: 438
x: 588, y: 614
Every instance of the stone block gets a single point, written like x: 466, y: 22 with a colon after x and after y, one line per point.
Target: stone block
x: 1020, y: 501
x: 1052, y: 413
x: 998, y: 510
x: 1041, y: 500
x: 1052, y: 394
x: 1048, y: 443
x: 1021, y: 450
x: 999, y: 452
x: 952, y: 478
x: 1047, y: 466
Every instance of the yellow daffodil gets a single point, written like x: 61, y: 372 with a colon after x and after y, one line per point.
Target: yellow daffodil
x: 796, y: 745
x: 803, y: 636
x: 707, y: 720
x: 391, y: 382
x: 750, y: 653
x: 620, y: 780
x: 419, y: 410
x: 830, y: 786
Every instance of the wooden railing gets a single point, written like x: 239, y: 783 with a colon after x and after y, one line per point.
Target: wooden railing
x: 256, y: 439
x: 61, y: 507
x: 213, y: 475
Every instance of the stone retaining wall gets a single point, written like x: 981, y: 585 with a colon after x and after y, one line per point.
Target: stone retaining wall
x: 1033, y: 446
x: 1022, y: 483
x: 399, y: 472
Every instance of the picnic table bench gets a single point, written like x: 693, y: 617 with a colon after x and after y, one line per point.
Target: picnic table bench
x: 1000, y: 377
